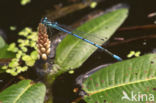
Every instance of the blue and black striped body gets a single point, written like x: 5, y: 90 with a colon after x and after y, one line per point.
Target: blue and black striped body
x: 55, y: 25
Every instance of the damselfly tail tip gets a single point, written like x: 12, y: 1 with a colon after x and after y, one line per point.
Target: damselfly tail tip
x: 117, y: 57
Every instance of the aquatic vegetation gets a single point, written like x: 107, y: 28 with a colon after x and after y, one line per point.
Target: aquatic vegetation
x: 112, y: 82
x: 133, y: 53
x: 24, y: 2
x: 13, y: 28
x: 128, y: 76
x: 16, y: 66
x: 93, y: 4
x: 2, y: 42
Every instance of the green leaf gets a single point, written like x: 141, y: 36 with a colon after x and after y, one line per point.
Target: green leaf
x: 24, y: 2
x: 93, y: 4
x: 28, y: 60
x: 2, y: 42
x: 13, y: 28
x: 13, y: 64
x: 137, y: 53
x: 12, y: 47
x: 25, y: 32
x: 4, y: 53
x: 30, y: 63
x: 34, y: 55
x: 109, y: 84
x: 23, y: 92
x: 133, y: 53
x: 72, y: 52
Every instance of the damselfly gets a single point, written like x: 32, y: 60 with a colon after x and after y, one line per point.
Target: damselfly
x: 55, y: 25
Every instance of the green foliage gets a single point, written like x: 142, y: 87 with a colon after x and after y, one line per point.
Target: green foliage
x: 93, y: 4
x: 12, y: 28
x: 3, y: 50
x: 14, y: 67
x: 108, y: 84
x: 71, y: 72
x: 133, y: 53
x: 24, y: 92
x: 4, y: 53
x: 2, y: 42
x: 24, y: 2
x: 72, y: 52
x: 12, y: 47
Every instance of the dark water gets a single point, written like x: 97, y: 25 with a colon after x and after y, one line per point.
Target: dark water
x: 13, y: 14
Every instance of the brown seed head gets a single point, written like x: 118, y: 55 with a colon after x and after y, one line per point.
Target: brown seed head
x: 43, y: 42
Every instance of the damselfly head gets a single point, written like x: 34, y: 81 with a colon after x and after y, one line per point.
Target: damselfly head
x: 44, y: 20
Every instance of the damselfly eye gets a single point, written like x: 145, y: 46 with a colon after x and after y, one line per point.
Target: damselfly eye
x: 44, y: 20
